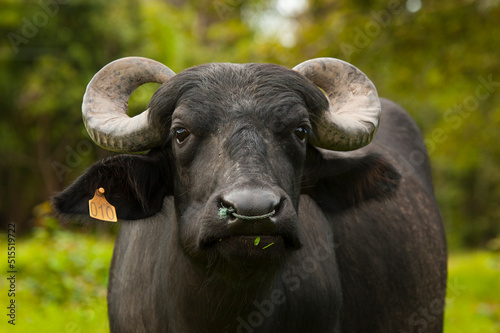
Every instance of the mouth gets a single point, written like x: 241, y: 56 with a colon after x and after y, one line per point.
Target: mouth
x: 247, y: 258
x: 252, y: 248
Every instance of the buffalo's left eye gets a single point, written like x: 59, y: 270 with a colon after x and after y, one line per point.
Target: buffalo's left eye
x: 181, y: 134
x: 301, y: 132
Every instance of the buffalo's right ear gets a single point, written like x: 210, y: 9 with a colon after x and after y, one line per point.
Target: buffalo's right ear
x: 134, y: 184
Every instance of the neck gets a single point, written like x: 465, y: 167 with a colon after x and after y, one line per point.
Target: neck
x: 208, y: 302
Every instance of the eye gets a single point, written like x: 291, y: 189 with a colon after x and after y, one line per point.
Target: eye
x: 301, y: 132
x: 181, y: 134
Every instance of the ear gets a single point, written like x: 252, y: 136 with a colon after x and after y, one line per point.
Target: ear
x: 352, y: 179
x: 135, y: 185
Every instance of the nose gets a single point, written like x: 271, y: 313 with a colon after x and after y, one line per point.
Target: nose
x: 251, y: 210
x: 251, y: 202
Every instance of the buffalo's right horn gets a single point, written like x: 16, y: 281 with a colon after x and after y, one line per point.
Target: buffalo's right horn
x: 105, y: 105
x: 353, y: 116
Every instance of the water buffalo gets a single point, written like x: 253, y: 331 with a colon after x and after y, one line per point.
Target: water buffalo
x: 264, y: 201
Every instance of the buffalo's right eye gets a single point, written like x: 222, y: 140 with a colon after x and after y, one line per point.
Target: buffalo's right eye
x: 181, y: 134
x: 301, y: 132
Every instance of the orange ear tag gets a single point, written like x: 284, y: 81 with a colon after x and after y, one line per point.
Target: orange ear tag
x: 100, y: 208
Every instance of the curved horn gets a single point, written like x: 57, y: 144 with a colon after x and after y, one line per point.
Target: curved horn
x: 353, y: 116
x: 105, y: 105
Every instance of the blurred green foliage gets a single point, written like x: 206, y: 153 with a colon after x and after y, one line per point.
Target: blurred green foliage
x: 62, y: 278
x: 440, y: 61
x: 473, y: 300
x: 61, y: 281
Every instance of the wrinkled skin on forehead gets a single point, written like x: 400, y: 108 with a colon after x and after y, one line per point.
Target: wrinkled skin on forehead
x: 242, y: 120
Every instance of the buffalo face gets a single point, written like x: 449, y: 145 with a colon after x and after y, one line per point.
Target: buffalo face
x: 238, y: 138
x: 229, y: 142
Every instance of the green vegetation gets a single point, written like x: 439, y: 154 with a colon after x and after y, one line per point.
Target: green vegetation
x: 438, y: 59
x: 61, y: 282
x: 473, y: 296
x: 62, y: 279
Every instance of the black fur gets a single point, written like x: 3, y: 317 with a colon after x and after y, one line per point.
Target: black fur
x: 214, y: 90
x: 134, y: 184
x: 352, y: 180
x: 358, y: 245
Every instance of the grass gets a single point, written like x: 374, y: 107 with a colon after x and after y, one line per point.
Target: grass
x: 61, y: 284
x: 473, y: 297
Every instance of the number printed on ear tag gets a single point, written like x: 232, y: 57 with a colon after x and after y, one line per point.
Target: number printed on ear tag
x: 100, y: 208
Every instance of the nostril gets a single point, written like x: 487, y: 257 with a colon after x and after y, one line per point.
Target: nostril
x: 226, y: 211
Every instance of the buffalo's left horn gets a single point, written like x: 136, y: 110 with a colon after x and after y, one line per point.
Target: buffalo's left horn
x: 354, y: 113
x: 105, y: 105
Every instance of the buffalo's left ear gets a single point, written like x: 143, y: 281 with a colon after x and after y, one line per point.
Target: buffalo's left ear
x: 134, y: 184
x: 351, y: 178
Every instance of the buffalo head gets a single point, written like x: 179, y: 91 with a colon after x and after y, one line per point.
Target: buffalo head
x: 229, y: 142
